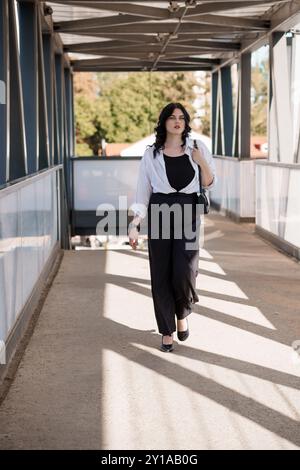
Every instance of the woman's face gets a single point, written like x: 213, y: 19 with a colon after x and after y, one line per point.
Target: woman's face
x: 175, y: 124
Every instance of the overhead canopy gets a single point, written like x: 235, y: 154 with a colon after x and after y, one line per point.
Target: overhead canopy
x: 156, y: 35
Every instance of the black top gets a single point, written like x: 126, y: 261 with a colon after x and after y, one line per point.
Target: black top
x: 180, y: 171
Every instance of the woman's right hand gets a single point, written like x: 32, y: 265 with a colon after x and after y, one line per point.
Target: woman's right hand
x: 133, y: 237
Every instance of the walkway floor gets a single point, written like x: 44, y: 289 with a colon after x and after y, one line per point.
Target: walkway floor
x: 92, y: 376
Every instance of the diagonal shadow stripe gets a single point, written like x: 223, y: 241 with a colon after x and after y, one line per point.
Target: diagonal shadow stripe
x: 246, y: 407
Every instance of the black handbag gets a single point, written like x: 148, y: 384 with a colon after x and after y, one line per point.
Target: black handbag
x: 202, y: 197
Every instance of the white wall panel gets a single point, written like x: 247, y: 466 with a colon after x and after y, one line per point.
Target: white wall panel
x: 28, y: 232
x: 278, y: 202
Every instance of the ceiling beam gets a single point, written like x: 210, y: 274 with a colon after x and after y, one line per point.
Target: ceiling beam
x: 241, y: 22
x: 282, y: 20
x: 98, y: 22
x: 122, y: 62
x: 157, y: 27
x: 154, y: 38
x: 222, y: 5
x: 208, y: 44
x: 143, y: 29
x: 154, y: 50
x: 99, y: 46
x: 117, y: 20
x: 137, y: 56
x: 139, y: 10
x: 150, y: 56
x: 99, y: 1
x: 192, y: 60
x: 133, y: 38
x: 168, y: 68
x: 149, y: 11
x: 124, y: 2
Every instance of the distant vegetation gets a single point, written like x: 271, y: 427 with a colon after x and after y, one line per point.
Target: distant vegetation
x: 116, y: 106
x: 123, y: 107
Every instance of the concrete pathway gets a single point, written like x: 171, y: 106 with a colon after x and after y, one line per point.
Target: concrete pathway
x: 92, y: 376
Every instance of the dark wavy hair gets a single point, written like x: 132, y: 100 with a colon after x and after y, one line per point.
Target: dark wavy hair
x: 160, y: 129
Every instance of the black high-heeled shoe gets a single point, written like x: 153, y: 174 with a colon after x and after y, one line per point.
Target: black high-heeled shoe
x: 183, y: 335
x: 166, y: 347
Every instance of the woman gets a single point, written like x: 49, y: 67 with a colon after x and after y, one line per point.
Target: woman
x: 169, y: 177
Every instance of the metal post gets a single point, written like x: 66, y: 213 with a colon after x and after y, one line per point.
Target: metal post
x: 29, y: 68
x: 43, y: 114
x: 227, y: 110
x: 18, y: 149
x: 59, y: 96
x: 244, y: 68
x: 214, y: 97
x: 4, y: 93
x: 48, y: 64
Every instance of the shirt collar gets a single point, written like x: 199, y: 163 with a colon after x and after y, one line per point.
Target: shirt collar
x: 189, y: 143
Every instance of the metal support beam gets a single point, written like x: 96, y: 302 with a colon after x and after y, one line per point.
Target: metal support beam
x: 244, y: 108
x: 98, y: 47
x: 236, y: 128
x: 18, y: 151
x: 73, y: 118
x: 73, y: 139
x: 4, y: 93
x: 284, y: 18
x: 29, y: 67
x: 56, y: 137
x: 137, y: 68
x: 281, y: 139
x: 160, y: 13
x: 49, y: 70
x: 68, y: 129
x: 223, y: 113
x: 218, y: 150
x: 43, y: 115
x: 68, y: 92
x: 59, y: 96
x: 214, y: 93
x: 227, y: 111
x: 154, y: 28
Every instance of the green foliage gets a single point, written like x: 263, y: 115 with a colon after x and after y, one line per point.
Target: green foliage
x: 85, y: 117
x: 204, y: 85
x: 126, y: 106
x: 83, y: 150
x: 259, y: 99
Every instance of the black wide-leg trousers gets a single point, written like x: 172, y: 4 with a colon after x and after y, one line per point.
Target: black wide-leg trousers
x: 173, y: 256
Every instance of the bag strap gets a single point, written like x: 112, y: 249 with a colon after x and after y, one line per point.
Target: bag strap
x: 199, y: 169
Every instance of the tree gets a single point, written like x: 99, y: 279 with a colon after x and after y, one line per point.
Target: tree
x: 86, y: 92
x: 136, y: 99
x: 259, y: 98
x: 203, y: 91
x: 123, y: 107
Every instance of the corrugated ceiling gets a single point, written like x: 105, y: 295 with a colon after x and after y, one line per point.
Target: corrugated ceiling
x: 119, y: 35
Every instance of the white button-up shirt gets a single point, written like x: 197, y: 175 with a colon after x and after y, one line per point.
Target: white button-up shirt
x: 152, y: 176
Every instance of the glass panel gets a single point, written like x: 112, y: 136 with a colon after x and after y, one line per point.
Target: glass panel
x: 28, y: 232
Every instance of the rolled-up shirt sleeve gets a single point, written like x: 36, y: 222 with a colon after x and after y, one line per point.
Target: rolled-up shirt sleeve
x: 143, y: 190
x: 210, y: 160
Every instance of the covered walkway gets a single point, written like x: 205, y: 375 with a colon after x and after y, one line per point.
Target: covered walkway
x: 90, y: 373
x: 92, y: 376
